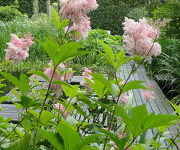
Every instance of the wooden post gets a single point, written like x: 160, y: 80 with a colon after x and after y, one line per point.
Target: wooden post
x: 48, y: 7
x: 35, y: 7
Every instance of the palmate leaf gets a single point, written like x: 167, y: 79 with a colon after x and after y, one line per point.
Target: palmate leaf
x: 69, y: 135
x: 60, y: 53
x: 138, y: 120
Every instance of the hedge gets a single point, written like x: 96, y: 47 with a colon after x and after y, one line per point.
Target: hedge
x: 26, y: 6
x: 110, y: 15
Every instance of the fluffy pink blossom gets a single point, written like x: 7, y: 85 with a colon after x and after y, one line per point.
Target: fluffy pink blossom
x: 62, y: 109
x: 139, y: 38
x: 76, y: 11
x: 18, y: 47
x: 121, y: 136
x: 148, y: 94
x: 86, y: 74
x: 121, y: 83
x: 124, y: 98
x: 62, y: 73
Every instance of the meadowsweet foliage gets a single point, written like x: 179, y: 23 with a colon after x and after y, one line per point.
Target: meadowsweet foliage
x: 68, y: 117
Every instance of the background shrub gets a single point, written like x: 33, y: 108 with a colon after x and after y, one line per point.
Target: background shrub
x: 165, y: 68
x: 92, y: 45
x: 171, y: 11
x: 138, y: 13
x: 8, y: 13
x: 26, y: 6
x: 110, y: 15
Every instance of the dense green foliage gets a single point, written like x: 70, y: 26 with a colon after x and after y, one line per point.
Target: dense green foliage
x: 111, y: 13
x: 8, y: 13
x: 68, y: 117
x: 170, y: 10
x: 165, y: 68
x: 91, y: 44
x: 26, y: 6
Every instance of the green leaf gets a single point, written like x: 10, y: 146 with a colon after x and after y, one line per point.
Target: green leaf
x: 89, y: 148
x: 27, y: 102
x: 133, y: 85
x: 108, y: 53
x: 69, y: 135
x: 137, y: 58
x: 159, y: 120
x: 22, y: 84
x: 79, y: 110
x: 57, y: 21
x: 138, y: 120
x: 120, y: 143
x: 51, y: 137
x: 24, y: 81
x: 4, y: 98
x: 119, y: 59
x: 11, y: 78
x: 39, y: 73
x: 90, y: 139
x: 46, y: 117
x: 119, y: 111
x: 71, y: 91
x: 58, y: 82
x: 2, y: 85
x: 60, y: 53
x: 103, y: 80
x: 155, y: 144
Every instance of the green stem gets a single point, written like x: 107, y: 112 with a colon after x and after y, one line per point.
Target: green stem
x: 44, y: 102
x: 131, y: 143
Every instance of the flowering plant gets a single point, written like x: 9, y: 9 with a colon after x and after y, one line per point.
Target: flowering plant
x: 71, y: 120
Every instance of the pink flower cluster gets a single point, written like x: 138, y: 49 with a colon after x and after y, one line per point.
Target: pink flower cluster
x: 62, y: 73
x: 123, y: 98
x: 148, y: 95
x: 76, y: 11
x: 18, y: 47
x: 61, y: 108
x: 140, y: 36
x: 86, y: 74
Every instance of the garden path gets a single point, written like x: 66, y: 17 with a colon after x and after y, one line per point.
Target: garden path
x: 159, y: 105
